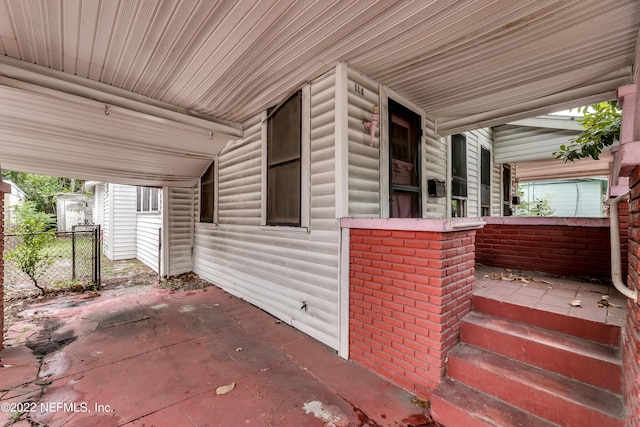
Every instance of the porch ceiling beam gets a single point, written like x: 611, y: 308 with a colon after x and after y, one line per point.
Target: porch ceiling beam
x: 67, y: 83
x: 552, y: 122
x: 536, y: 107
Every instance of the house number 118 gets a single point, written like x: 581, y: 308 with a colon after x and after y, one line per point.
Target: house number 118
x: 359, y: 89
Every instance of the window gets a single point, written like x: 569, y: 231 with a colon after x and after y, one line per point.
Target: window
x: 206, y: 194
x: 485, y: 181
x: 147, y: 199
x: 506, y: 190
x: 458, y: 175
x: 284, y: 148
x: 404, y: 144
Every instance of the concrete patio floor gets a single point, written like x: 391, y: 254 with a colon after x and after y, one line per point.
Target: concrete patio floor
x: 146, y: 356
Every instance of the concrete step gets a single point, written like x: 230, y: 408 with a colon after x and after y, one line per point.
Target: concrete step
x: 455, y: 405
x: 587, y: 361
x: 582, y: 328
x: 547, y: 395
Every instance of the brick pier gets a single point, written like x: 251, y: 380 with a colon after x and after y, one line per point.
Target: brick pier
x: 410, y: 285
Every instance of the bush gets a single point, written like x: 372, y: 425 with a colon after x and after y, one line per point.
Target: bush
x: 34, y: 229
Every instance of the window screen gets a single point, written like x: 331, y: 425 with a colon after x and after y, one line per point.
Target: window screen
x: 485, y: 177
x: 284, y: 163
x: 458, y: 165
x: 206, y: 195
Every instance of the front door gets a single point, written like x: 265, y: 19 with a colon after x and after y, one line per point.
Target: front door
x: 404, y: 145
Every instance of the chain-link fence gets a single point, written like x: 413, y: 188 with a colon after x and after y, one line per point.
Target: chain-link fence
x: 61, y: 260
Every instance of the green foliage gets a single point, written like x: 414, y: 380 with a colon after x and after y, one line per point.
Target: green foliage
x: 31, y: 255
x: 601, y: 124
x: 539, y: 207
x: 40, y: 189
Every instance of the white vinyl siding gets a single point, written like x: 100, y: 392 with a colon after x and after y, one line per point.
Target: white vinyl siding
x: 364, y: 157
x: 473, y: 174
x: 180, y: 234
x: 147, y: 238
x: 476, y: 140
x: 98, y: 211
x: 107, y: 247
x: 277, y: 268
x: 435, y: 159
x: 120, y: 209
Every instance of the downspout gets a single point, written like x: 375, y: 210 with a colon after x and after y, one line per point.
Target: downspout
x: 616, y: 263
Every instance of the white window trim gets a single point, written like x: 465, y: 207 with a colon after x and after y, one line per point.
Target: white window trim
x: 305, y: 160
x: 149, y: 211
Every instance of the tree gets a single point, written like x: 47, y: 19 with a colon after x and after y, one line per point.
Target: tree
x: 41, y: 189
x: 33, y: 228
x: 601, y: 123
x: 539, y: 207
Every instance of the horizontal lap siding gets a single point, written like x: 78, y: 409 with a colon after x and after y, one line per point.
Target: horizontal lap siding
x: 107, y: 247
x: 123, y: 227
x: 435, y: 153
x: 364, y: 159
x: 271, y: 267
x: 147, y: 238
x: 473, y: 174
x: 180, y: 233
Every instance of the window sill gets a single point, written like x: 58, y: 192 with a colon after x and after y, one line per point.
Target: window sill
x: 285, y: 229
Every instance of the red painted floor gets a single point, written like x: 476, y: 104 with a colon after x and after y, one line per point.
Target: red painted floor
x: 151, y: 357
x: 553, y: 293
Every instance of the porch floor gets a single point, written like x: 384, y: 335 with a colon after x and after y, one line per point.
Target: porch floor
x: 553, y: 293
x: 153, y: 357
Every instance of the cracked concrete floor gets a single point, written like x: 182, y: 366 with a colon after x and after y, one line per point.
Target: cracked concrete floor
x: 152, y: 357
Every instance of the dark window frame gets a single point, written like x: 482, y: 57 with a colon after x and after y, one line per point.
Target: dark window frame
x: 284, y: 163
x: 401, y: 184
x: 485, y: 177
x: 207, y: 194
x: 459, y: 167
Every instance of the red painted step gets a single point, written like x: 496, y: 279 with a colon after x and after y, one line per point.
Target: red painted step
x: 582, y: 328
x: 455, y: 405
x: 553, y: 397
x: 587, y: 361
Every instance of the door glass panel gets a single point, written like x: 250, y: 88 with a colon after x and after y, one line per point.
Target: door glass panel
x: 404, y: 143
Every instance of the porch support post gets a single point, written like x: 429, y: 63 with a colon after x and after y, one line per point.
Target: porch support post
x: 4, y: 188
x: 628, y: 167
x: 410, y: 284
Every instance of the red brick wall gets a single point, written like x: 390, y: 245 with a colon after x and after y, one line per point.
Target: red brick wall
x: 557, y: 249
x: 408, y: 292
x: 631, y: 336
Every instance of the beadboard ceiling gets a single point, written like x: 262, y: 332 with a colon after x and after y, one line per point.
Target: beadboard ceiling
x: 466, y: 63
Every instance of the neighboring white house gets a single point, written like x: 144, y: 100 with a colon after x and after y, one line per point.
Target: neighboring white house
x: 12, y: 199
x: 580, y: 197
x: 131, y: 219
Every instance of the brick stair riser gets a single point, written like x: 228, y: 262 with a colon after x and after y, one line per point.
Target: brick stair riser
x: 565, y: 362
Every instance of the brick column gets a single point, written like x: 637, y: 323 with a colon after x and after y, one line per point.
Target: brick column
x: 408, y: 292
x: 631, y: 337
x: 628, y: 165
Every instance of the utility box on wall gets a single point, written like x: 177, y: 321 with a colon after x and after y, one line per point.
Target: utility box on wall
x: 436, y: 188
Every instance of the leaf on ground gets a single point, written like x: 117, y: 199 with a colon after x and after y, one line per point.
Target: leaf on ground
x: 423, y: 403
x: 224, y: 389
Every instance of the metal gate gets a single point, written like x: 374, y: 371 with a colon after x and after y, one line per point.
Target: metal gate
x: 69, y: 259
